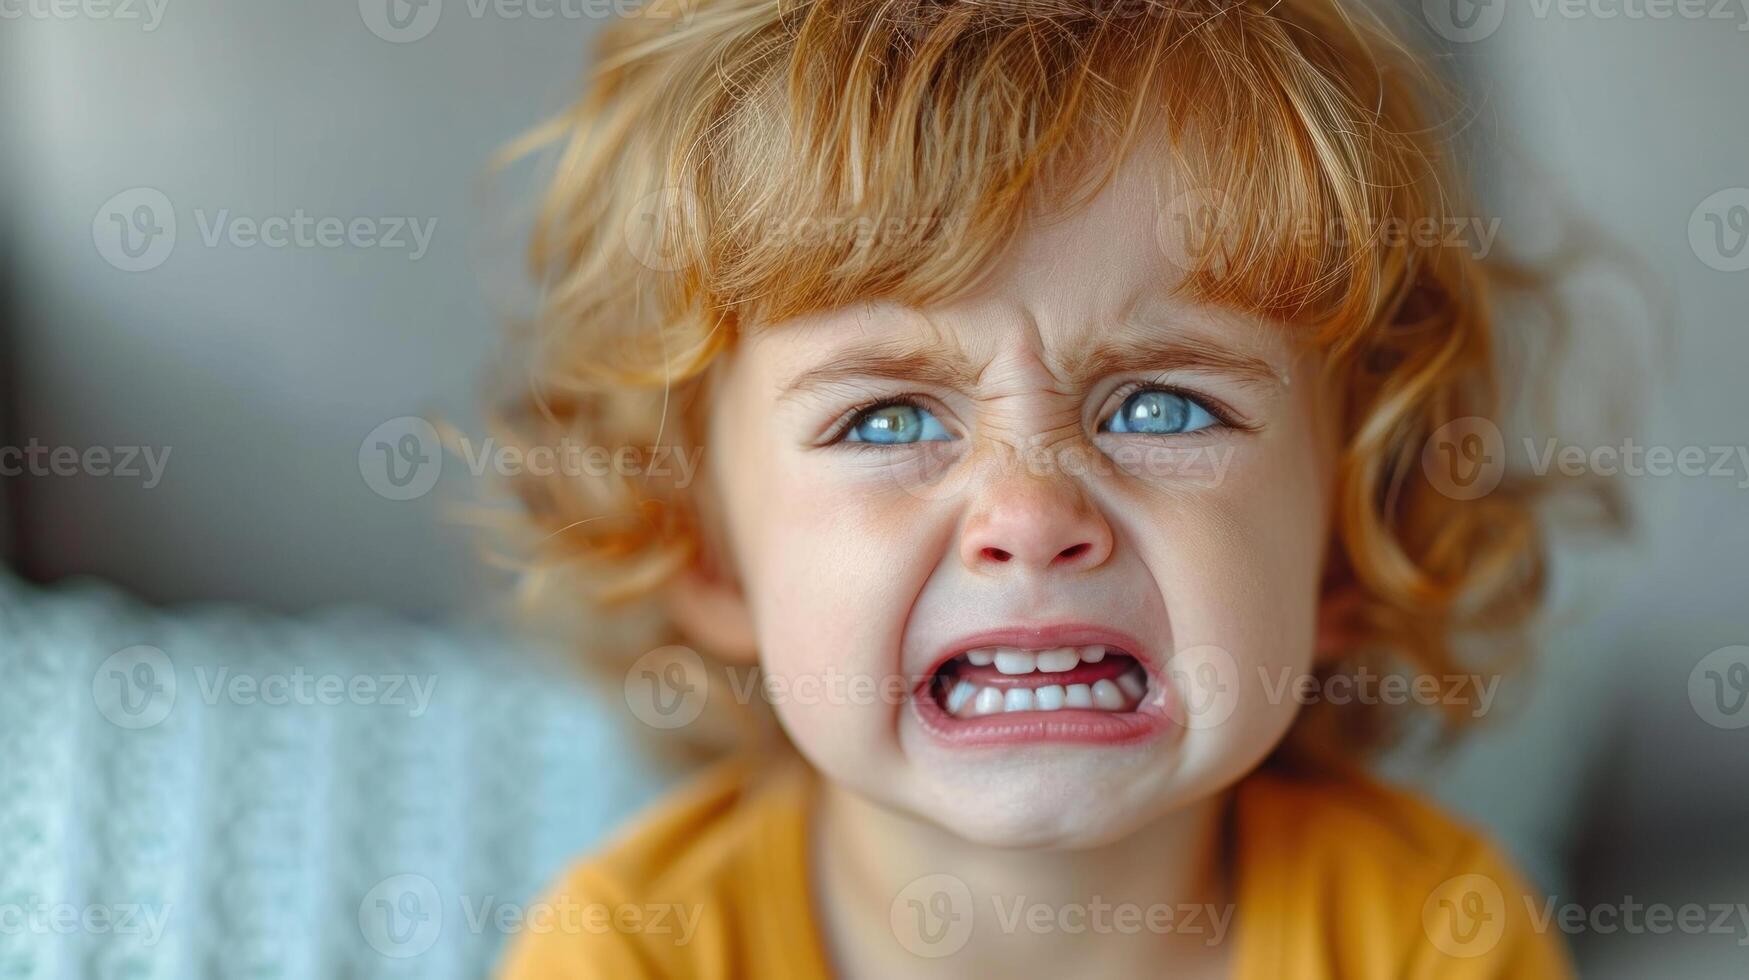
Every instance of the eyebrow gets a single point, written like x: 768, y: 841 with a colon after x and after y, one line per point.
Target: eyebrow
x: 944, y: 366
x: 1155, y: 353
x: 936, y: 365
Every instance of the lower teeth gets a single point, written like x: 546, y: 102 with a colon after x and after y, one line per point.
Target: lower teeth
x: 967, y: 700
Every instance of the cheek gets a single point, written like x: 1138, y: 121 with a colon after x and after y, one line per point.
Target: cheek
x: 1243, y: 575
x: 1239, y: 566
x: 832, y: 568
x: 1267, y: 531
x: 1260, y: 539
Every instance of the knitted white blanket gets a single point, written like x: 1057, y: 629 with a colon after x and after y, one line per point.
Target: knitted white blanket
x: 214, y: 792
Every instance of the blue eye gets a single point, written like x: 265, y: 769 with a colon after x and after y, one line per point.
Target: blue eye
x: 1155, y: 411
x: 896, y: 424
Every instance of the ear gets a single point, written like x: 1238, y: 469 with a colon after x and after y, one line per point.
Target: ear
x: 712, y: 613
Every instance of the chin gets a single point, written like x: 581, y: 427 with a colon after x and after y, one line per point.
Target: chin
x: 1067, y: 803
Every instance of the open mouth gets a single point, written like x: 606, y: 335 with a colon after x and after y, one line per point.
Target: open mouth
x: 1007, y: 680
x: 1082, y: 692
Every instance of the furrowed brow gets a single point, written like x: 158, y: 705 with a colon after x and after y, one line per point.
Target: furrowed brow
x: 1162, y: 353
x: 940, y: 367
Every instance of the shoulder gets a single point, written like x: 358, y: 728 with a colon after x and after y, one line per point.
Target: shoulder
x: 1355, y: 813
x: 663, y: 898
x: 692, y: 836
x: 1380, y: 882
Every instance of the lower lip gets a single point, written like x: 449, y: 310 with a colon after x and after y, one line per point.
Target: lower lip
x: 1074, y: 726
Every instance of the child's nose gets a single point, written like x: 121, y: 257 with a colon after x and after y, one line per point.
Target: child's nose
x: 1035, y: 523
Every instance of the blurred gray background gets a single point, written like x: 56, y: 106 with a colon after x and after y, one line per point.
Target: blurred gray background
x: 262, y: 370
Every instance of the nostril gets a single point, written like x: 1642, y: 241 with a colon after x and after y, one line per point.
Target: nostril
x: 997, y: 554
x: 1074, y: 551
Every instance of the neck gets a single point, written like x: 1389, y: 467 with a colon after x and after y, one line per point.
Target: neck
x: 890, y: 886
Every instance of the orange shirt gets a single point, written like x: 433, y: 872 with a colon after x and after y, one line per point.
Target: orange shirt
x: 1340, y: 880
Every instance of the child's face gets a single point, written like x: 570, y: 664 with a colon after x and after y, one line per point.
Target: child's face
x: 1080, y: 462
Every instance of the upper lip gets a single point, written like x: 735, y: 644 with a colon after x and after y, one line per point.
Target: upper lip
x: 1049, y: 636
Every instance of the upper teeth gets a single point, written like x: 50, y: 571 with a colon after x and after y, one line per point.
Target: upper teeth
x: 1009, y: 660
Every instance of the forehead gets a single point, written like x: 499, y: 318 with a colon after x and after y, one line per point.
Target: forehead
x: 1099, y: 253
x: 1105, y: 272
